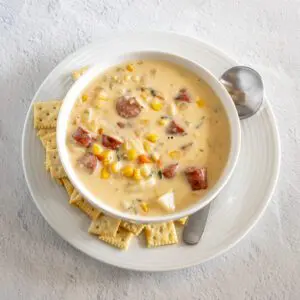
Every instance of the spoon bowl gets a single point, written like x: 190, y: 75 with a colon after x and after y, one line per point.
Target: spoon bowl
x: 246, y: 89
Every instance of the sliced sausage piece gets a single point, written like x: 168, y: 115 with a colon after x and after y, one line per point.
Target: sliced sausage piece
x: 197, y: 178
x: 170, y: 171
x: 183, y: 96
x: 128, y: 107
x: 174, y: 128
x: 110, y: 142
x: 82, y: 137
x: 89, y: 161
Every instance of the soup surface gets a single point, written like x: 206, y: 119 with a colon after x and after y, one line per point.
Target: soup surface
x: 148, y: 137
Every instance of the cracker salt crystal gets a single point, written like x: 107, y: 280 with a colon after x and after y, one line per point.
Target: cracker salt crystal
x: 161, y: 234
x: 45, y: 114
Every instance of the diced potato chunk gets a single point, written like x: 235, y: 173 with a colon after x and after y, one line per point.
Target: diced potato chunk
x: 167, y: 201
x: 146, y: 170
x: 172, y: 109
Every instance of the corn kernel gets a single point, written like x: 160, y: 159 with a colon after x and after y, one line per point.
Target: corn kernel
x: 108, y: 157
x: 130, y: 68
x: 156, y: 105
x: 115, y: 167
x: 200, y: 102
x: 102, y: 98
x: 115, y: 78
x: 136, y: 78
x: 131, y: 154
x: 144, y: 96
x: 126, y: 146
x: 105, y: 173
x: 145, y: 207
x: 145, y: 121
x: 145, y: 171
x: 106, y: 162
x: 152, y: 137
x: 100, y: 130
x: 127, y: 77
x: 97, y: 149
x: 137, y: 174
x: 162, y: 122
x: 84, y: 97
x: 148, y: 147
x: 107, y: 154
x: 127, y: 171
x: 175, y: 154
x: 98, y: 104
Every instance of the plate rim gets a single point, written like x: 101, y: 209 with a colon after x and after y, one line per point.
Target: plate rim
x: 238, y: 236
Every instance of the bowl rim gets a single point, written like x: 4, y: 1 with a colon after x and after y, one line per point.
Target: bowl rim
x: 83, y: 82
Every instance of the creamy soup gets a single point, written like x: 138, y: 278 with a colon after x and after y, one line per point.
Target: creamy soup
x: 148, y: 137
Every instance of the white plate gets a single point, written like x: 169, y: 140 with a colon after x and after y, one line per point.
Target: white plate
x: 233, y: 214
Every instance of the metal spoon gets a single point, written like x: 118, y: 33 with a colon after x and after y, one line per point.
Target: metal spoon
x: 246, y: 89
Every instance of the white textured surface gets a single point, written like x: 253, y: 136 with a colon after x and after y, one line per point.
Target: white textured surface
x: 35, y: 35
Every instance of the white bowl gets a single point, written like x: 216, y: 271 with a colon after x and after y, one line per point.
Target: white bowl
x: 84, y: 81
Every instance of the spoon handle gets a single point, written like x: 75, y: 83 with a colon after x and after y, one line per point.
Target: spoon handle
x: 194, y: 229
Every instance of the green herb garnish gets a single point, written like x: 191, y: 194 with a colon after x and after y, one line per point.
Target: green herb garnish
x: 153, y: 92
x: 160, y: 174
x: 119, y: 156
